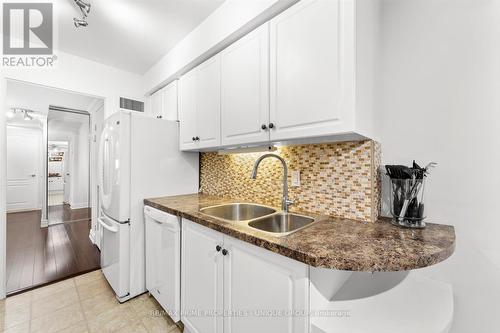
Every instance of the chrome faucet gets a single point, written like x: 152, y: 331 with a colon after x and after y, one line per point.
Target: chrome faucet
x: 285, y: 202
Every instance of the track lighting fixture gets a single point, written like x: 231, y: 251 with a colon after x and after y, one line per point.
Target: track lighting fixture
x: 85, y: 9
x: 80, y: 22
x: 27, y: 115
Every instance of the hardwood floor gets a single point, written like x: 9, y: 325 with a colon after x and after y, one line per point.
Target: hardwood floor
x: 37, y: 256
x: 64, y: 213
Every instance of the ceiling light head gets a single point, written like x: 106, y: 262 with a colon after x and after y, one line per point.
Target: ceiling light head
x: 27, y: 116
x: 80, y: 22
x: 84, y: 6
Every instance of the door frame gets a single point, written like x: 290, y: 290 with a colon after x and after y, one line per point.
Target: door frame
x: 99, y: 106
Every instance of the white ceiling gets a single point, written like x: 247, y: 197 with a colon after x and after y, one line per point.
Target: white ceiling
x: 38, y: 98
x: 65, y: 122
x: 129, y: 34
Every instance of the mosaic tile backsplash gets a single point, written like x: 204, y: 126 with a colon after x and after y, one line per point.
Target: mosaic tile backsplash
x: 337, y: 179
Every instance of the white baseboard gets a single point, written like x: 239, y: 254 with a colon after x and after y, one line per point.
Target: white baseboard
x: 79, y: 205
x: 92, y: 236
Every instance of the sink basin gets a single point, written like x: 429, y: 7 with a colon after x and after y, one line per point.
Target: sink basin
x: 282, y: 223
x: 237, y: 211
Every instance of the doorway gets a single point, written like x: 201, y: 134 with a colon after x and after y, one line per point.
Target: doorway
x: 51, y: 190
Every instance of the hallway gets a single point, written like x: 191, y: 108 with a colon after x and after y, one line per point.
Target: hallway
x: 36, y: 256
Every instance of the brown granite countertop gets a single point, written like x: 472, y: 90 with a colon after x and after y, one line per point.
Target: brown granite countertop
x: 331, y: 242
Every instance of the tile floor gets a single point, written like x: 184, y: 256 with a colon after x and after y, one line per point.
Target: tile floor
x: 85, y: 303
x: 56, y: 199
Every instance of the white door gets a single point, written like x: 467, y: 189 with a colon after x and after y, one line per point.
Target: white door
x: 311, y: 81
x: 23, y: 169
x: 115, y: 255
x: 201, y: 278
x: 187, y: 111
x: 208, y: 103
x: 163, y: 259
x: 114, y: 167
x: 245, y: 89
x: 169, y: 104
x: 258, y: 280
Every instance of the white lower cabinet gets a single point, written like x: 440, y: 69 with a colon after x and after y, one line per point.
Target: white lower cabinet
x: 249, y: 289
x: 201, y: 279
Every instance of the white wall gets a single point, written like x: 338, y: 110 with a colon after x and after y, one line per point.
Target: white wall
x: 78, y: 160
x: 82, y: 165
x: 439, y: 100
x: 83, y: 76
x: 226, y: 24
x: 3, y: 187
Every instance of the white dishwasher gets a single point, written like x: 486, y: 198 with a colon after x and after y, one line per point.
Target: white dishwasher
x: 163, y: 259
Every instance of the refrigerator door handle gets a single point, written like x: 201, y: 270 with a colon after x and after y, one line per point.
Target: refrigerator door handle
x: 106, y: 226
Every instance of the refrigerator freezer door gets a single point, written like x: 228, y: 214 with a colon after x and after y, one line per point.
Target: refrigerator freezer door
x: 115, y: 257
x: 114, y: 167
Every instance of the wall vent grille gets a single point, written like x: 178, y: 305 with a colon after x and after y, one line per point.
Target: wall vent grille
x: 130, y: 104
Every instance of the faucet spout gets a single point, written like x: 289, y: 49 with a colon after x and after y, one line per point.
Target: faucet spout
x: 285, y: 202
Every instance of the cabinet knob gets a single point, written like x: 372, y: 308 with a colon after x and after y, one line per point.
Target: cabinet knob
x: 159, y: 117
x: 271, y: 125
x: 197, y: 138
x: 194, y: 139
x: 225, y: 252
x: 218, y: 248
x: 263, y: 126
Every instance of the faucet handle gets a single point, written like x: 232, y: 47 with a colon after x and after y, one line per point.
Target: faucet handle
x: 287, y: 202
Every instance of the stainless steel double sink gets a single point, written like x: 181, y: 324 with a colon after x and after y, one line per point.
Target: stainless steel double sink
x: 259, y: 217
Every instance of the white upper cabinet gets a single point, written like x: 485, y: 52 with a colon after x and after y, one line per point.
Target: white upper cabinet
x: 169, y: 108
x: 199, y: 106
x: 311, y: 70
x: 187, y: 111
x: 245, y: 89
x: 164, y: 102
x: 156, y: 101
x: 208, y: 103
x: 305, y: 75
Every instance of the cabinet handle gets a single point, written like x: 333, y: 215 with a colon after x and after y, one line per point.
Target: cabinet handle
x: 194, y: 139
x: 218, y: 248
x: 225, y: 252
x: 197, y: 138
x: 271, y: 125
x: 159, y: 117
x: 264, y: 127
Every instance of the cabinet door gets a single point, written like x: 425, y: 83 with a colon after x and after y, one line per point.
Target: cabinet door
x: 311, y: 79
x: 156, y: 104
x: 257, y: 283
x: 169, y: 105
x: 245, y: 89
x: 201, y: 278
x: 208, y: 103
x: 187, y: 111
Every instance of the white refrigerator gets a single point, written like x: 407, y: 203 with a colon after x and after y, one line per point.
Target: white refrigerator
x: 139, y: 158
